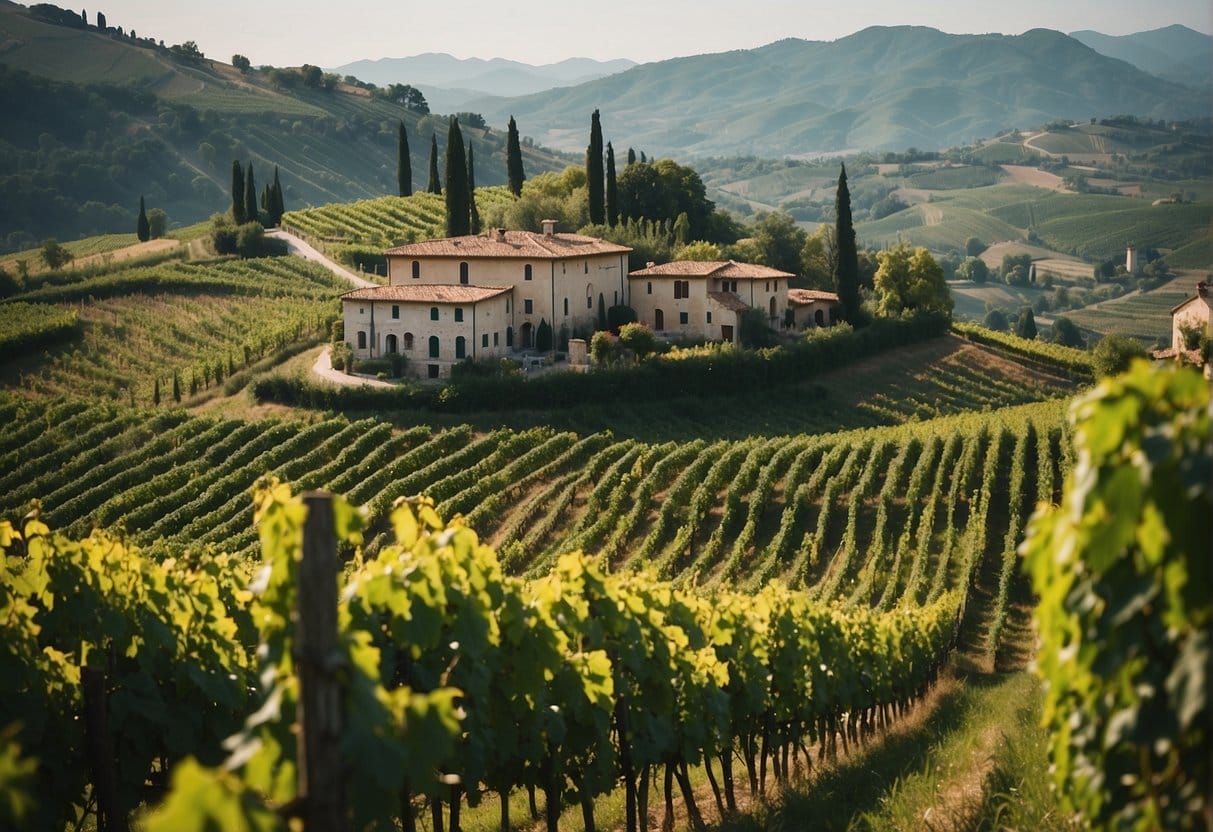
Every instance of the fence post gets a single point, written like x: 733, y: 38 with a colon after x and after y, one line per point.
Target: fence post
x: 317, y: 663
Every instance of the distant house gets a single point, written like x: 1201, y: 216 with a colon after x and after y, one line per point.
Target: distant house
x: 813, y: 308
x: 704, y: 299
x: 1192, y: 314
x: 433, y: 326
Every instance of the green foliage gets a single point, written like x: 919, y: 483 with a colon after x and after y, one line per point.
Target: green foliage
x: 1025, y: 327
x: 974, y: 247
x: 543, y: 336
x: 612, y: 187
x: 593, y: 173
x: 239, y: 216
x: 157, y: 223
x: 1016, y: 269
x: 779, y: 241
x: 473, y: 211
x: 1114, y: 354
x: 700, y: 250
x: 661, y: 191
x: 846, y: 267
x: 911, y: 281
x: 251, y: 213
x: 1122, y: 570
x: 996, y: 320
x: 515, y: 175
x: 404, y: 163
x: 26, y: 327
x: 753, y: 329
x: 458, y: 211
x: 1076, y: 363
x: 1066, y: 333
x: 142, y: 229
x: 617, y: 316
x: 639, y: 339
x: 603, y: 348
x: 54, y: 255
x: 435, y: 185
x: 974, y: 269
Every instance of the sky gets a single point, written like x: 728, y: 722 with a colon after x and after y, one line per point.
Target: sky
x: 329, y: 34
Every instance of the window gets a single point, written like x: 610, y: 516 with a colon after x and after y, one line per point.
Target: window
x: 463, y: 273
x: 684, y: 318
x: 461, y: 347
x: 734, y: 287
x: 361, y: 340
x: 416, y: 269
x: 677, y: 289
x: 395, y: 311
x: 408, y: 340
x: 709, y: 317
x: 650, y: 288
x: 432, y: 370
x: 361, y: 311
x: 434, y: 348
x: 507, y: 306
x: 389, y: 344
x: 484, y: 340
x: 589, y: 302
x: 509, y: 336
x: 433, y: 313
x: 587, y: 266
x: 566, y: 306
x: 526, y: 272
x: 682, y: 289
x: 496, y: 340
x: 768, y: 286
x: 458, y: 314
x: 528, y: 306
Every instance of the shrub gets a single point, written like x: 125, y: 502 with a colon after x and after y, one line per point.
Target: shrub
x: 1114, y: 353
x: 638, y: 338
x: 602, y: 348
x: 617, y: 316
x: 996, y: 320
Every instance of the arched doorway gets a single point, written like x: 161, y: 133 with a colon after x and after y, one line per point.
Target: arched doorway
x: 820, y: 317
x: 408, y: 341
x: 361, y: 340
x: 658, y: 320
x: 509, y: 336
x: 391, y: 344
x: 433, y: 346
x: 461, y: 347
x: 772, y: 313
x: 527, y: 333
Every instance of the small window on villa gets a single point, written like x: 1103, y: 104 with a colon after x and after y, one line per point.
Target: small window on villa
x: 484, y: 340
x: 408, y: 340
x: 463, y: 273
x: 416, y: 269
x: 684, y: 318
x: 361, y: 340
x: 433, y: 313
x: 776, y: 285
x: 677, y: 289
x: 650, y: 288
x: 395, y: 311
x: 361, y: 311
x: 459, y: 314
x: 587, y: 266
x: 589, y: 302
x: 566, y: 306
x: 496, y: 340
x: 768, y: 286
x: 709, y: 317
x: 528, y: 307
x: 526, y: 272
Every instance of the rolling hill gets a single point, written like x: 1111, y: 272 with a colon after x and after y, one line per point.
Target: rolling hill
x: 94, y: 120
x: 1175, y: 53
x: 881, y: 88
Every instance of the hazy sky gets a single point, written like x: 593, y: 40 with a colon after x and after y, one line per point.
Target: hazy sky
x: 291, y: 32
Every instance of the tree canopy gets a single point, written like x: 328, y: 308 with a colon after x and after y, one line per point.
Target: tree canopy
x: 846, y: 270
x: 513, y: 160
x: 908, y: 281
x: 458, y: 221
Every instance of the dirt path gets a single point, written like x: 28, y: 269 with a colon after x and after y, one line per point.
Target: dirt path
x: 302, y: 249
x: 323, y: 368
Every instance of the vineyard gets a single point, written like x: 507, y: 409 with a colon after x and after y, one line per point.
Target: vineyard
x: 113, y: 335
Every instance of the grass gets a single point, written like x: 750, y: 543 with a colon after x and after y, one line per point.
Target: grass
x: 85, y: 247
x: 1144, y: 316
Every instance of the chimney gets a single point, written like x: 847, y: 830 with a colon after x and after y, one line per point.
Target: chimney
x: 650, y: 264
x: 549, y: 228
x: 501, y: 235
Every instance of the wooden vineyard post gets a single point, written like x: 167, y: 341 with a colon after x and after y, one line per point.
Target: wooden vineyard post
x: 317, y: 662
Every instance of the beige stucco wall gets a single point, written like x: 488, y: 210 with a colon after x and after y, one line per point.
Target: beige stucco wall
x: 650, y: 294
x: 483, y: 328
x: 555, y: 285
x: 806, y: 316
x: 1194, y: 313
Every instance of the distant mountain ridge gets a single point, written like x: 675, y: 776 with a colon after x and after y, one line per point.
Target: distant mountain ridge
x: 448, y: 82
x: 881, y: 88
x: 1175, y: 53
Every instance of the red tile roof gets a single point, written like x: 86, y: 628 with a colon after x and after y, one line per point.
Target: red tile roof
x: 803, y: 297
x: 729, y: 301
x: 730, y: 269
x: 428, y: 293
x: 520, y: 245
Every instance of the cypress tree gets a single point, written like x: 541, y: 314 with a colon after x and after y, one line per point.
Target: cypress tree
x: 237, y: 193
x: 404, y: 165
x: 458, y: 215
x: 1026, y: 327
x: 612, y: 189
x: 846, y: 270
x: 142, y: 229
x: 277, y: 208
x: 642, y: 159
x: 250, y: 196
x: 473, y: 213
x: 602, y: 313
x: 434, y: 186
x: 631, y: 156
x: 513, y: 159
x: 156, y: 393
x: 593, y: 171
x: 265, y: 198
x: 193, y: 383
x: 176, y: 386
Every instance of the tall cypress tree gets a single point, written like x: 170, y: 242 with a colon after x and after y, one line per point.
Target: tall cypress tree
x: 142, y: 229
x: 612, y: 189
x: 237, y: 192
x: 434, y: 186
x: 631, y: 156
x: 846, y: 270
x: 473, y: 213
x: 458, y: 217
x: 513, y: 160
x: 278, y: 208
x: 593, y: 171
x: 250, y: 196
x: 404, y: 165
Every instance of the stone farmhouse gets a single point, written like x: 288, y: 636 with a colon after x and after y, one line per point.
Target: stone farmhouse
x: 813, y: 308
x: 704, y: 299
x: 485, y: 296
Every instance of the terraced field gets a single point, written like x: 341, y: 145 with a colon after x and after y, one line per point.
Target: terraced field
x: 1142, y: 315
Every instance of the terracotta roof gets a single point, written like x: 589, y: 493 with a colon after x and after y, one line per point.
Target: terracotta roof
x: 428, y: 293
x: 803, y: 297
x: 1202, y: 291
x: 520, y: 245
x: 729, y: 301
x: 712, y: 268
